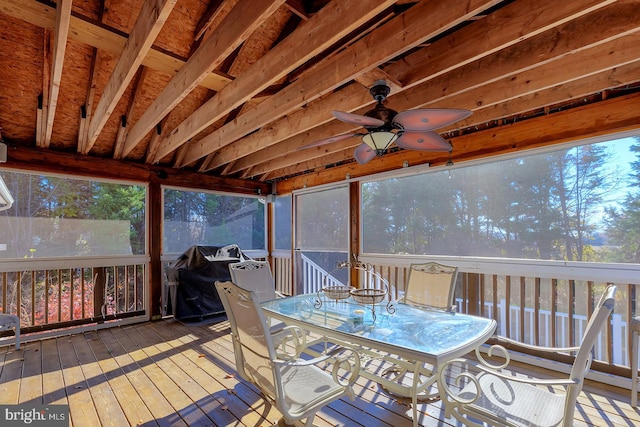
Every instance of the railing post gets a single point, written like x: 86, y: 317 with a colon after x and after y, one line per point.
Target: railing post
x: 99, y: 284
x: 473, y: 293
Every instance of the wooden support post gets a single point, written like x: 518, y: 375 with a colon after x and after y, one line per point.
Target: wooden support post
x: 155, y: 249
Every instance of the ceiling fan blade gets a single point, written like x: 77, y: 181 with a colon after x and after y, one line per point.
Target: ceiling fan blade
x: 357, y: 119
x: 364, y: 153
x: 423, y: 141
x: 425, y: 119
x: 329, y: 140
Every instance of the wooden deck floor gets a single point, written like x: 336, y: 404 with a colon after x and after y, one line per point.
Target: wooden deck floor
x: 166, y: 373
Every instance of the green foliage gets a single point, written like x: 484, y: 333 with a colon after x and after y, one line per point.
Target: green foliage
x: 543, y: 206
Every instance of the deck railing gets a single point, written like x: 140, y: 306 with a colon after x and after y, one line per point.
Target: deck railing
x: 58, y: 293
x: 543, y: 303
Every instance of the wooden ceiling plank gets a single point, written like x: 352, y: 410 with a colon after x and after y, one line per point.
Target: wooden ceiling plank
x: 213, y: 10
x: 333, y: 22
x: 314, y: 114
x: 156, y: 137
x: 603, y: 118
x: 136, y: 93
x: 424, y: 20
x: 151, y: 19
x: 598, y: 60
x: 205, y: 162
x: 575, y: 89
x: 243, y: 19
x: 297, y: 7
x: 368, y: 79
x: 87, y: 110
x: 181, y: 152
x: 510, y: 25
x: 41, y: 112
x: 85, y: 117
x: 102, y: 37
x: 63, y: 15
x: 585, y: 32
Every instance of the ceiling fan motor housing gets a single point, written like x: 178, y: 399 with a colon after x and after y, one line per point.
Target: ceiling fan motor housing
x: 379, y: 92
x: 382, y: 113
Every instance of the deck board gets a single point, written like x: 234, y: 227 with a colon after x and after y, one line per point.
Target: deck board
x: 170, y: 374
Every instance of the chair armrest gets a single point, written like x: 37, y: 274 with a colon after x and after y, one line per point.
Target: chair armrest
x: 343, y: 358
x: 532, y: 381
x: 504, y: 340
x: 468, y: 382
x: 294, y: 334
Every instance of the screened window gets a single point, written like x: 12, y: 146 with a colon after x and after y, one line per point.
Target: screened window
x: 322, y: 219
x: 282, y: 222
x: 578, y: 203
x: 53, y: 216
x: 322, y: 235
x: 212, y: 219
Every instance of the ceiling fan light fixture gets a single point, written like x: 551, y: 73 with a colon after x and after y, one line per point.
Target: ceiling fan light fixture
x: 409, y: 129
x: 379, y: 140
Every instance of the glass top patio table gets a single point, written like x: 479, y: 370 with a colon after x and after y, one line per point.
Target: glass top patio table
x: 429, y: 335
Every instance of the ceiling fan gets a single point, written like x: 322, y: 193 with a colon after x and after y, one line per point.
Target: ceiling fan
x: 410, y: 129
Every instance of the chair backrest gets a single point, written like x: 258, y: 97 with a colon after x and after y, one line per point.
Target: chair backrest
x: 583, y: 358
x: 431, y: 285
x: 254, y: 276
x: 252, y: 343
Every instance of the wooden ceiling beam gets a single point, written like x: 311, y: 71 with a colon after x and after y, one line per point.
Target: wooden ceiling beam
x: 580, y: 73
x: 584, y: 33
x: 41, y: 111
x: 424, y: 20
x: 510, y: 25
x: 213, y: 11
x: 297, y: 7
x: 151, y: 19
x: 241, y: 21
x: 333, y: 22
x: 156, y: 137
x: 615, y: 77
x: 603, y: 118
x: 102, y: 37
x: 135, y: 96
x: 61, y: 32
x: 86, y: 111
x: 50, y: 161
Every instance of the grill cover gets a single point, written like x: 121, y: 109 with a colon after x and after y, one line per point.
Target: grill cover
x: 192, y: 276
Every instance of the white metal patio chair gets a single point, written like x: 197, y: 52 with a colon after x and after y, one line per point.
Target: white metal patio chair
x: 297, y: 387
x: 255, y: 276
x: 431, y: 285
x: 9, y: 321
x: 635, y: 331
x: 494, y: 397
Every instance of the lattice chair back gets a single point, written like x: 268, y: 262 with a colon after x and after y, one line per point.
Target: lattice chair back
x: 431, y: 285
x: 255, y: 276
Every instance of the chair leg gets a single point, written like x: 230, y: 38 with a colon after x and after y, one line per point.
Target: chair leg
x: 9, y: 321
x: 634, y: 369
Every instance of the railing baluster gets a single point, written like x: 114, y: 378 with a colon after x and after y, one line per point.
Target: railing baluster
x: 32, y: 302
x: 571, y: 309
x: 522, y: 313
x: 536, y: 307
x: 19, y: 296
x: 507, y: 297
x: 554, y: 307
